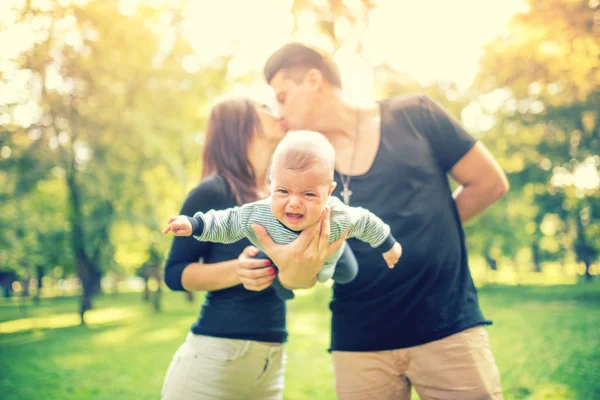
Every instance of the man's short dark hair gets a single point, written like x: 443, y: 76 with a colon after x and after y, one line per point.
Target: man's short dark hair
x: 297, y: 58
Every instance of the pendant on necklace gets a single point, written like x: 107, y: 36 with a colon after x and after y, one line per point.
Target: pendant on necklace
x: 346, y: 193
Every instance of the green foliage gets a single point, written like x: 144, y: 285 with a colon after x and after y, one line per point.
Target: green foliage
x: 118, y: 116
x: 545, y: 72
x: 117, y: 123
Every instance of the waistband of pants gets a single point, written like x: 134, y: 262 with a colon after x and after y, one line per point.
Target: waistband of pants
x: 240, y: 345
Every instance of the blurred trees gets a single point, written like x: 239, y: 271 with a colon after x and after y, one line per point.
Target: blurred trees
x: 151, y: 273
x: 94, y: 138
x: 536, y: 105
x: 541, y: 82
x: 100, y: 103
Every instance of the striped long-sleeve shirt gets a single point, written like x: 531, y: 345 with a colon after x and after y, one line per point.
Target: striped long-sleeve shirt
x: 233, y: 224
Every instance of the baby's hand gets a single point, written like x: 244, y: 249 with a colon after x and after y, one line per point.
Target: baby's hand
x: 393, y: 255
x: 180, y: 226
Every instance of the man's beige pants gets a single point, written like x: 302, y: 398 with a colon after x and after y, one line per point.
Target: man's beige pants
x: 458, y: 367
x: 213, y: 368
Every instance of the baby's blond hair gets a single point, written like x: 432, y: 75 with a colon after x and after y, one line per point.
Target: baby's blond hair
x: 300, y: 150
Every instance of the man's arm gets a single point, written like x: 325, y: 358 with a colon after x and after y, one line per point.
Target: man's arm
x: 482, y: 182
x: 467, y: 160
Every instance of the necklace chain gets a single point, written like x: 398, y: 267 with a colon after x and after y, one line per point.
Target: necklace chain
x: 346, y: 192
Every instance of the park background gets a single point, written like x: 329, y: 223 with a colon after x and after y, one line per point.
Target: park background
x: 102, y: 110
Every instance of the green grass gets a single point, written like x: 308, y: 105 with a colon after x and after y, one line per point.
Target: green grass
x: 545, y: 340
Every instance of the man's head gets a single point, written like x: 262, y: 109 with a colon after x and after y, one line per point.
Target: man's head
x: 299, y: 75
x: 301, y: 178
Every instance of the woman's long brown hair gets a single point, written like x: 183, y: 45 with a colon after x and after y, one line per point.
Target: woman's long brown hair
x: 231, y: 124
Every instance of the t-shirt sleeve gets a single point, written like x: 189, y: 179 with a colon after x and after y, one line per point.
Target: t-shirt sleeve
x: 449, y: 140
x: 185, y: 250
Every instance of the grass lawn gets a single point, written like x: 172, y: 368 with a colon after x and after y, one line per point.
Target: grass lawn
x: 545, y: 340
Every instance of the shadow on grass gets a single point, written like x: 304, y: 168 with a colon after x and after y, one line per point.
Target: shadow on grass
x: 77, y: 332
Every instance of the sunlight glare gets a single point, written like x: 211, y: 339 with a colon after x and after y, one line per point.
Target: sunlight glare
x: 76, y: 360
x: 93, y: 317
x: 357, y: 77
x: 162, y: 335
x: 128, y: 7
x: 444, y: 45
x: 250, y: 33
x: 116, y: 335
x: 586, y: 176
x: 432, y: 46
x: 16, y: 39
x: 429, y: 47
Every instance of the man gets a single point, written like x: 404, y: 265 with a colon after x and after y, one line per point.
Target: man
x: 419, y: 324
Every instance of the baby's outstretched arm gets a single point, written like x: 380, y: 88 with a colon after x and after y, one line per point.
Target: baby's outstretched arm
x: 222, y: 226
x: 369, y: 228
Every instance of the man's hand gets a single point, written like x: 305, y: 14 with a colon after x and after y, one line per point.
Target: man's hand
x: 300, y: 261
x: 180, y: 226
x: 393, y: 255
x: 253, y: 273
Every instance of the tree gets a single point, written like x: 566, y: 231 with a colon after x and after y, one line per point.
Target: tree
x: 111, y: 102
x: 546, y: 74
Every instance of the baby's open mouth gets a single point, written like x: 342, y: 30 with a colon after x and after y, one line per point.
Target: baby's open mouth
x: 293, y: 217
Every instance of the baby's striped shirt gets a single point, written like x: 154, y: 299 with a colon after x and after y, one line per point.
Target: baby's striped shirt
x: 233, y: 224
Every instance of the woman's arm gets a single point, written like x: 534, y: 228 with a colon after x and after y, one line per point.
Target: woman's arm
x: 209, y: 277
x: 253, y: 274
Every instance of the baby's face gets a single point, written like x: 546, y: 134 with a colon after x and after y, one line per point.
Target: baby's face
x: 298, y: 197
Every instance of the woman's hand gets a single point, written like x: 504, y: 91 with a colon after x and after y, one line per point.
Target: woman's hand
x: 300, y: 261
x: 254, y: 274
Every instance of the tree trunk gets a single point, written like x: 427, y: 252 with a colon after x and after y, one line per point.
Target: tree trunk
x: 115, y: 286
x: 157, y: 298
x: 584, y: 250
x: 26, y: 286
x: 38, y: 292
x: 96, y: 280
x: 537, y: 258
x: 491, y: 262
x: 155, y: 274
x: 88, y: 274
x: 588, y: 275
x: 146, y: 294
x: 25, y: 294
x: 6, y: 281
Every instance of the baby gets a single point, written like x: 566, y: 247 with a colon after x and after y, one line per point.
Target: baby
x: 301, y: 184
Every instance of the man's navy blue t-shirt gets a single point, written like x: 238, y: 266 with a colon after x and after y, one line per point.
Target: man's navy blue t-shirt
x: 430, y: 293
x: 235, y: 312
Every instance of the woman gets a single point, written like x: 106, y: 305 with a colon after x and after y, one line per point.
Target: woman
x: 235, y: 349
